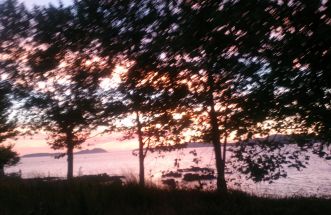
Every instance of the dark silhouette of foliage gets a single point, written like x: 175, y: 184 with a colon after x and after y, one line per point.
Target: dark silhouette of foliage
x: 292, y: 97
x: 13, y: 25
x: 8, y: 157
x: 67, y: 74
x: 7, y: 125
x: 14, y: 37
x: 218, y: 69
x: 300, y: 68
x: 269, y: 158
x: 8, y: 129
x: 151, y: 96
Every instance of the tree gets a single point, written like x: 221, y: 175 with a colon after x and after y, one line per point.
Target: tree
x: 14, y: 22
x: 8, y: 129
x: 159, y: 121
x: 64, y: 98
x: 8, y: 157
x: 300, y: 71
x: 209, y: 52
x: 219, y: 50
x: 150, y: 94
x: 14, y: 40
x: 292, y: 98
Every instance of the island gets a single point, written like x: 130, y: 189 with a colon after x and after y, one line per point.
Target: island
x: 91, y: 151
x: 86, y: 151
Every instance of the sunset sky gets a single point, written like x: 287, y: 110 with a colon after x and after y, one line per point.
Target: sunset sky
x: 38, y: 143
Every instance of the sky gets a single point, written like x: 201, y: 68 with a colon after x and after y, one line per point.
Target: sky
x: 38, y: 143
x: 30, y: 3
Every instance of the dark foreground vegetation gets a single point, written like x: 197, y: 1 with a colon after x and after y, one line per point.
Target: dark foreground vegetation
x: 94, y: 196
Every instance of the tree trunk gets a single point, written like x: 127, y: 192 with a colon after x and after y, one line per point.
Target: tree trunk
x: 224, y: 159
x: 141, y: 152
x: 220, y: 163
x: 224, y: 149
x: 215, y: 138
x: 70, y: 163
x: 2, y: 171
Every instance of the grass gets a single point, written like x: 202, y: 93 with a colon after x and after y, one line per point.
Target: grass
x: 92, y: 196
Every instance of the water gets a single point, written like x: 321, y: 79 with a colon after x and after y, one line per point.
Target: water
x: 315, y: 180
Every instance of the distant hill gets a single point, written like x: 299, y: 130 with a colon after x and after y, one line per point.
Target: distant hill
x: 181, y: 146
x: 39, y: 155
x: 273, y: 138
x: 92, y: 151
x: 198, y: 145
x: 86, y: 151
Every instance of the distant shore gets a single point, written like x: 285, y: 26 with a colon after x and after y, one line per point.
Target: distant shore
x: 86, y: 151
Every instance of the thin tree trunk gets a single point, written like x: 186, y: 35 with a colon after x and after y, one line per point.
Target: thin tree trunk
x: 220, y: 164
x: 215, y: 138
x: 141, y: 152
x: 225, y: 143
x: 224, y: 156
x: 2, y: 171
x: 70, y: 154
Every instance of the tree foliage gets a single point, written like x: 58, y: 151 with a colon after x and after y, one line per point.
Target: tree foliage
x: 149, y: 96
x: 293, y: 96
x: 67, y: 74
x: 13, y: 26
x: 8, y: 157
x: 8, y: 127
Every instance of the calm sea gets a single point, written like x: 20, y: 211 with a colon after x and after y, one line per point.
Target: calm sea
x: 315, y: 180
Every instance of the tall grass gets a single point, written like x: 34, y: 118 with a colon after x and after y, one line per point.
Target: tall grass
x: 91, y: 196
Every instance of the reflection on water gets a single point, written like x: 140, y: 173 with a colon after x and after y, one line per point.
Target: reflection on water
x: 314, y: 180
